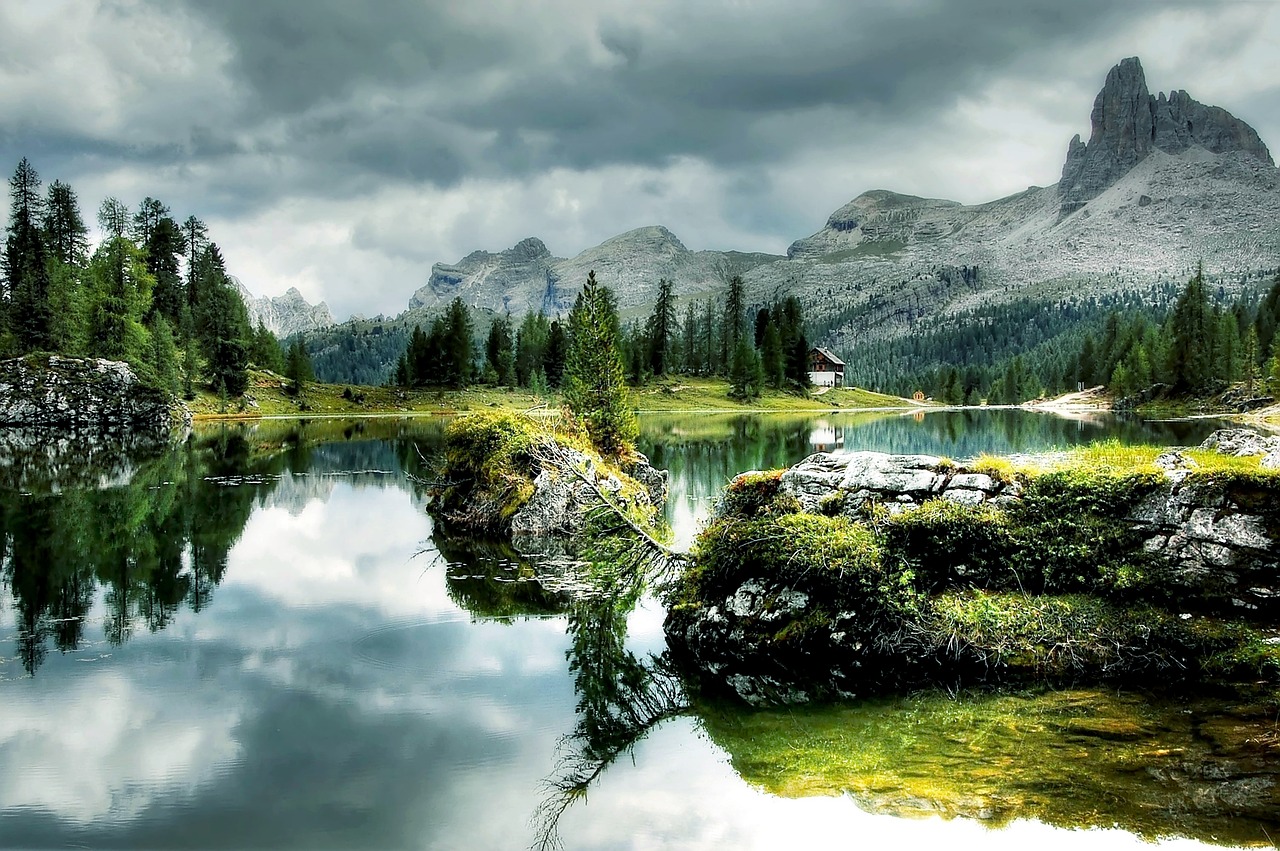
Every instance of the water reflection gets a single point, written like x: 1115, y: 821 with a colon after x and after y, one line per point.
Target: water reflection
x: 258, y: 639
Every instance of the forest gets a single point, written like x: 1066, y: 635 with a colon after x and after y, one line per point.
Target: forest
x: 154, y: 292
x: 1186, y: 341
x: 752, y: 349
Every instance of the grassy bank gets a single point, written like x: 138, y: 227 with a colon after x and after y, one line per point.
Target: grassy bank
x: 268, y: 396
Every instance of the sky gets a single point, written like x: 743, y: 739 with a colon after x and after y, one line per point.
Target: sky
x: 342, y: 148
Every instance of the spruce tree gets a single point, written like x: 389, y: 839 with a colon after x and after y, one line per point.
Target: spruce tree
x: 25, y: 267
x: 595, y: 387
x: 661, y: 328
x: 1190, y: 333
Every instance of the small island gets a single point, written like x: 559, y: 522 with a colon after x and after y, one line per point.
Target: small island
x: 862, y: 573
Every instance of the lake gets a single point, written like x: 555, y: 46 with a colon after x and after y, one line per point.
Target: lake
x: 256, y: 639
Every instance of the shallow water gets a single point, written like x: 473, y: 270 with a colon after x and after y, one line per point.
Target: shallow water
x: 254, y: 640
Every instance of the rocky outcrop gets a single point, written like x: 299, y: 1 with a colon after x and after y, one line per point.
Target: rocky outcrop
x: 853, y: 573
x: 286, y: 314
x: 1212, y: 537
x: 1128, y: 123
x: 83, y: 394
x: 566, y: 490
x: 847, y: 483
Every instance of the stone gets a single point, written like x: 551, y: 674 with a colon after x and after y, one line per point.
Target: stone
x: 87, y: 395
x: 1241, y: 443
x: 964, y: 496
x: 973, y: 481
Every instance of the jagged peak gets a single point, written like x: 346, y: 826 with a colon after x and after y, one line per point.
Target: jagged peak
x: 1128, y: 123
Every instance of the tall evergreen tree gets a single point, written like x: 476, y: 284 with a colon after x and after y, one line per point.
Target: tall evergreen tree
x: 64, y: 228
x: 1190, y: 363
x: 499, y: 351
x: 531, y: 347
x: 557, y: 353
x: 457, y: 345
x: 660, y: 330
x: 25, y: 267
x: 734, y: 305
x: 194, y: 236
x: 595, y: 386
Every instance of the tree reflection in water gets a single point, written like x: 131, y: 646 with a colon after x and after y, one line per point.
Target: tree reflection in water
x: 622, y: 696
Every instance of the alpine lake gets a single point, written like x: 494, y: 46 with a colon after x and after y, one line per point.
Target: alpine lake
x: 256, y: 639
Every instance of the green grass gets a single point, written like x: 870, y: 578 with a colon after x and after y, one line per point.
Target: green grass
x: 686, y: 393
x: 267, y: 397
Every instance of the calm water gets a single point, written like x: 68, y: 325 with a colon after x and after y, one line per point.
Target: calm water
x: 254, y: 640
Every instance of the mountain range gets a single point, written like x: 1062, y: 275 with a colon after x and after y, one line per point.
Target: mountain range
x: 1162, y: 183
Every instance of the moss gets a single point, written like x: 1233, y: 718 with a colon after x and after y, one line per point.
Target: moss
x: 946, y: 544
x: 757, y: 494
x: 833, y: 559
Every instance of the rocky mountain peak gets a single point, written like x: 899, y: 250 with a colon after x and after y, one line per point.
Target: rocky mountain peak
x: 286, y: 314
x: 530, y: 248
x: 1128, y: 123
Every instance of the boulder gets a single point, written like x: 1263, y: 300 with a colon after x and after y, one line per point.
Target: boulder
x: 84, y: 395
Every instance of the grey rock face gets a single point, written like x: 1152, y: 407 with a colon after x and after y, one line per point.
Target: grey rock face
x: 1128, y: 123
x: 286, y: 314
x: 561, y: 499
x: 846, y: 482
x: 83, y: 394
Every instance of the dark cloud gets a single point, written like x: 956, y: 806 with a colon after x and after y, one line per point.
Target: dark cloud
x: 262, y: 114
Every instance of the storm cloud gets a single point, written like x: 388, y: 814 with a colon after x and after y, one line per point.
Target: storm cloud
x: 342, y: 148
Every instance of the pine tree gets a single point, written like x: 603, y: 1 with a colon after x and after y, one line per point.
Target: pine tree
x: 499, y: 352
x: 1190, y: 333
x: 661, y: 328
x: 457, y: 345
x: 745, y: 373
x: 595, y: 387
x: 25, y: 267
x: 557, y: 353
x: 772, y: 361
x: 64, y: 228
x: 731, y: 326
x: 195, y: 236
x: 298, y: 365
x: 531, y: 347
x: 692, y: 362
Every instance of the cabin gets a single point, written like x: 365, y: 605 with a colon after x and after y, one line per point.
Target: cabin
x: 825, y: 369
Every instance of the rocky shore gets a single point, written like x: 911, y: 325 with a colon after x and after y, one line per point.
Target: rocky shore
x: 850, y: 574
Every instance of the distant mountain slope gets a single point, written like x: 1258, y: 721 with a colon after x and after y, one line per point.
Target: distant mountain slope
x: 1163, y: 183
x: 527, y: 277
x: 286, y: 314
